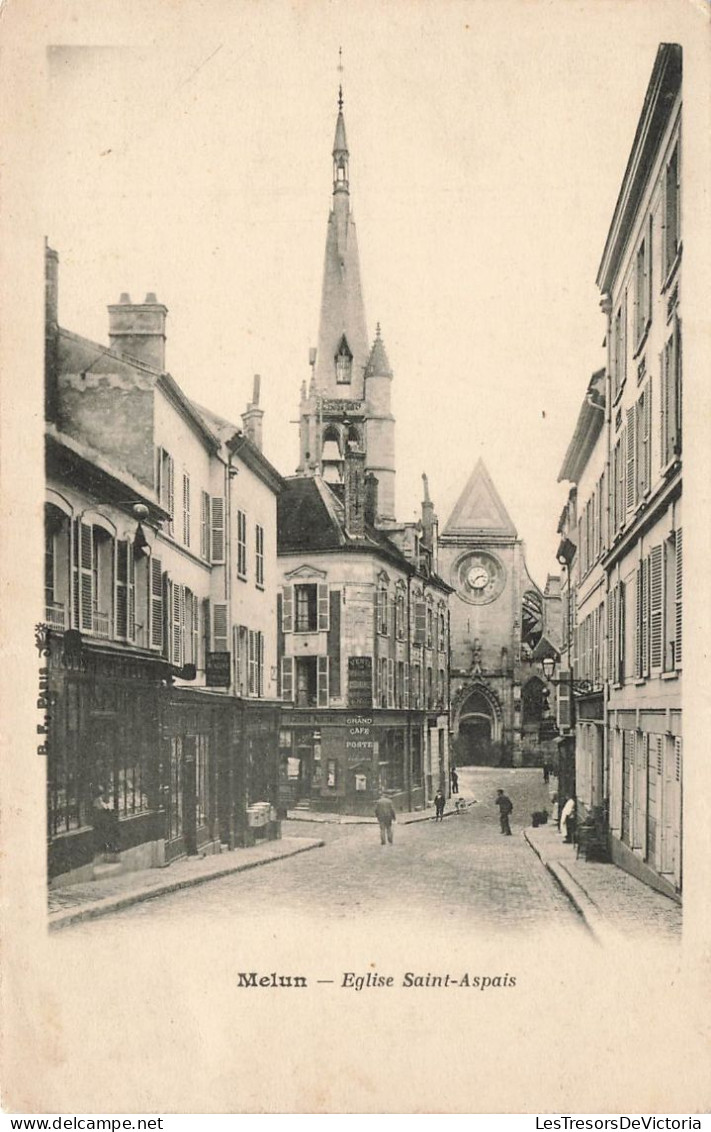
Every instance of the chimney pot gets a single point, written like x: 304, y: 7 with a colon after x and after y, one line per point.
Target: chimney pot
x: 151, y: 297
x: 125, y: 297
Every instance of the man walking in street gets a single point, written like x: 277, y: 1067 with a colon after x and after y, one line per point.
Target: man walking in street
x: 439, y: 801
x: 455, y: 781
x: 505, y: 807
x: 385, y: 813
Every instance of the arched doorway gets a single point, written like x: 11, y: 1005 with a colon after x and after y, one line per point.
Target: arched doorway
x: 478, y: 737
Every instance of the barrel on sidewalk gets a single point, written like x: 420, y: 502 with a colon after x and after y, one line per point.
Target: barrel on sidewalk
x: 262, y: 823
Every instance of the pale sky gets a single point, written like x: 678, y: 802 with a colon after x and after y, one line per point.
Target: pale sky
x: 488, y: 142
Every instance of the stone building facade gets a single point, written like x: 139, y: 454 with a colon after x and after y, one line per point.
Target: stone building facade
x: 147, y: 602
x: 498, y: 618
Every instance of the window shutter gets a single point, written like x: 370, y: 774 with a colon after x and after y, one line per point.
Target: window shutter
x: 391, y: 682
x: 236, y: 660
x: 220, y: 634
x: 217, y: 540
x: 621, y: 598
x: 639, y: 593
x: 205, y: 525
x: 171, y: 493
x: 195, y: 631
x: 564, y: 715
x: 178, y: 620
x: 647, y: 473
x: 156, y: 603
x: 287, y: 609
x: 656, y: 608
x: 207, y: 625
x: 323, y: 608
x: 260, y: 665
x: 663, y: 397
x: 186, y: 508
x: 85, y: 576
x: 678, y: 601
x: 677, y: 387
x: 322, y: 681
x: 287, y: 678
x: 420, y: 622
x: 405, y: 685
x: 121, y: 603
x: 645, y: 617
x: 631, y: 491
x: 252, y: 663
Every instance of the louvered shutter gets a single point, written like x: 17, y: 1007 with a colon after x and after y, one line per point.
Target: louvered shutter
x: 621, y: 626
x: 322, y: 674
x: 631, y: 486
x: 207, y: 625
x: 647, y: 473
x: 252, y: 663
x: 205, y: 525
x: 121, y: 602
x: 677, y: 388
x: 177, y: 618
x: 171, y: 493
x: 85, y: 592
x: 156, y: 603
x: 287, y: 609
x: 656, y: 608
x: 564, y: 713
x: 678, y: 600
x: 236, y: 660
x: 645, y: 617
x: 639, y: 594
x: 420, y: 622
x: 260, y: 665
x: 323, y: 608
x: 287, y: 678
x: 391, y: 682
x: 217, y: 530
x: 220, y: 629
x: 405, y: 685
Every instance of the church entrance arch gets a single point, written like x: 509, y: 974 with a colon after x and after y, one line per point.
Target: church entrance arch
x: 478, y: 738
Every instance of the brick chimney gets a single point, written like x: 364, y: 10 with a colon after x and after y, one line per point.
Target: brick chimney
x: 253, y: 416
x: 354, y: 492
x: 371, y: 499
x: 137, y: 330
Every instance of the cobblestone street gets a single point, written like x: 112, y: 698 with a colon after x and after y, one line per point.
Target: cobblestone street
x: 462, y: 873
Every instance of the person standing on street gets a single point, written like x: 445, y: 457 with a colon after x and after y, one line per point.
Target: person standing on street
x: 455, y: 781
x: 505, y: 807
x: 385, y: 813
x: 439, y: 805
x: 546, y: 771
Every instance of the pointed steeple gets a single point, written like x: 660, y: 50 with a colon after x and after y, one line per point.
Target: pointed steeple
x: 343, y: 340
x: 378, y: 364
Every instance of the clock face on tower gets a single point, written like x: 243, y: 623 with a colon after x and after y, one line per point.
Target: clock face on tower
x: 479, y: 577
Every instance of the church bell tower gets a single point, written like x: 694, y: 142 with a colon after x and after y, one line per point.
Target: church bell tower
x: 346, y: 402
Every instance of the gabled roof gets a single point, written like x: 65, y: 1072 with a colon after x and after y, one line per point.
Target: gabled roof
x: 479, y: 509
x: 310, y: 518
x: 249, y: 454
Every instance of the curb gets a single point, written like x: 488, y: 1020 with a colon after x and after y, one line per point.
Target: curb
x: 578, y: 897
x: 109, y: 904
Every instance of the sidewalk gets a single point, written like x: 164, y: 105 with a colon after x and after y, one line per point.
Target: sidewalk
x: 75, y: 902
x: 613, y: 903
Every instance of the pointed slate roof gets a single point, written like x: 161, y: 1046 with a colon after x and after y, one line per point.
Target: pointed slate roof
x: 479, y: 509
x: 339, y: 142
x: 378, y: 364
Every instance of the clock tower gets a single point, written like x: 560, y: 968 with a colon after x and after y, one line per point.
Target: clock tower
x: 497, y: 616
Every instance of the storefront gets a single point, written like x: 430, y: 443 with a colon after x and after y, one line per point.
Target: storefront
x: 341, y: 761
x: 102, y: 737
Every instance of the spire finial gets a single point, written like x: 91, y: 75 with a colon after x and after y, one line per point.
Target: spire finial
x: 377, y: 330
x: 340, y: 85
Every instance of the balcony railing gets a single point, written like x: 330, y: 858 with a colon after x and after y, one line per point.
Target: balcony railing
x: 55, y: 616
x: 100, y: 624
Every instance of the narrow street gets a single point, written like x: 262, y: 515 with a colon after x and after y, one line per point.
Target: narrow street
x: 461, y: 873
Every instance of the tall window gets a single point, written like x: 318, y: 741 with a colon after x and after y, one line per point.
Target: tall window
x: 430, y: 625
x: 643, y: 286
x: 382, y: 612
x: 256, y: 663
x: 619, y: 348
x: 400, y: 614
x: 671, y: 212
x: 259, y: 554
x: 186, y: 509
x: 306, y: 608
x: 671, y: 397
x: 241, y: 544
x: 166, y: 484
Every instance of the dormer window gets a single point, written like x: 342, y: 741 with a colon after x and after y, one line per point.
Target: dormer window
x: 344, y: 363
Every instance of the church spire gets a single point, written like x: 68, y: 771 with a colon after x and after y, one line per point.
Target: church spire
x: 340, y: 150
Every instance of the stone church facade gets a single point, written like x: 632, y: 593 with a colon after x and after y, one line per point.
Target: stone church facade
x: 501, y: 623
